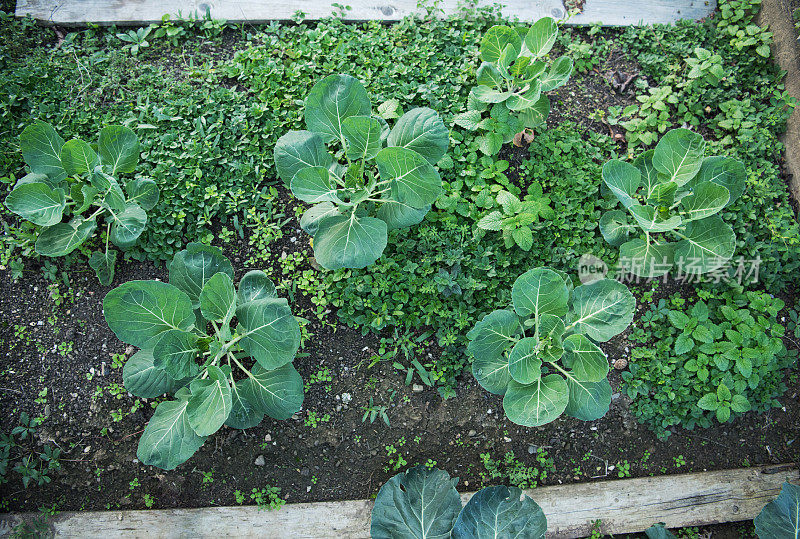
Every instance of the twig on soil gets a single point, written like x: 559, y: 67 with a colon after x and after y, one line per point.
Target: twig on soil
x: 128, y: 436
x: 9, y: 389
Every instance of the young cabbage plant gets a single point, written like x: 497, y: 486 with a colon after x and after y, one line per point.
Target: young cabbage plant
x: 422, y: 502
x: 541, y: 354
x: 72, y: 185
x: 389, y: 180
x: 672, y: 192
x: 512, y: 81
x: 218, y: 373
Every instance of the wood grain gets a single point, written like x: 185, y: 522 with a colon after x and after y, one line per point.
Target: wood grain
x: 623, y: 506
x: 137, y: 12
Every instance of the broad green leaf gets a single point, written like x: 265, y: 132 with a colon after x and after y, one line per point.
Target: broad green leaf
x: 314, y: 184
x: 492, y: 373
x: 143, y: 192
x: 176, y: 353
x: 663, y: 195
x: 679, y: 155
x: 256, y: 285
x: 331, y: 101
x: 524, y: 362
x: 523, y: 237
x: 708, y: 402
x: 615, y: 227
x: 537, y: 114
x: 493, y: 221
x: 558, y: 75
x: 277, y: 393
x: 414, y: 180
x: 299, y: 149
x: 650, y: 176
x: 489, y: 75
x: 496, y: 39
x: 271, y: 335
x: 706, y: 245
x: 602, y: 309
x: 422, y: 130
x: 102, y: 181
x: 541, y: 37
x: 349, y: 241
x: 41, y: 149
x: 218, y: 298
x: 83, y: 195
x: 527, y: 100
x: 588, y: 400
x: 142, y: 379
x: 490, y: 142
x: 707, y: 199
x: 168, y: 440
x: 118, y: 148
x: 33, y: 177
x: 140, y: 312
x: 103, y: 263
x: 781, y: 516
x: 416, y: 504
x: 191, y: 269
x: 469, y: 120
x: 493, y: 334
x: 244, y: 415
x: 723, y: 171
x: 740, y: 404
x: 651, y: 221
x: 623, y: 179
x: 363, y: 137
x: 397, y: 215
x: 63, y: 238
x: 210, y: 403
x: 78, y: 157
x: 37, y: 203
x: 128, y: 226
x: 486, y: 94
x: 313, y: 216
x: 540, y: 291
x: 114, y: 199
x: 500, y: 512
x: 585, y: 359
x: 536, y: 404
x: 646, y: 259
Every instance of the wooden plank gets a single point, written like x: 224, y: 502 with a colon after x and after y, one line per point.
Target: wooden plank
x: 138, y: 12
x: 623, y: 506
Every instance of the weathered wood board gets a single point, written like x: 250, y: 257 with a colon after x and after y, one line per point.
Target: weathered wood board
x: 623, y: 506
x: 137, y: 12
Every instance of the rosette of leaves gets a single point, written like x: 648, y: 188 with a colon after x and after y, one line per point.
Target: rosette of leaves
x: 518, y: 217
x: 672, y: 192
x: 369, y: 179
x: 422, y: 502
x: 219, y: 373
x: 74, y: 185
x: 513, y: 78
x: 541, y: 353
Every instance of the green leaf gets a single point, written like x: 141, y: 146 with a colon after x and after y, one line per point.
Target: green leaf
x: 538, y: 403
x: 492, y: 373
x: 168, y: 440
x: 588, y: 400
x: 523, y: 237
x: 140, y: 312
x: 414, y: 181
x: 723, y: 413
x: 37, y: 203
x: 41, y: 149
x: 313, y: 184
x: 615, y: 228
x: 255, y: 285
x: 585, y: 359
x: 103, y: 263
x: 422, y: 130
x: 313, y: 216
x: 244, y: 415
x: 683, y: 344
x: 499, y: 512
x: 723, y: 171
x: 210, y: 403
x: 118, y: 148
x: 489, y: 75
x: 78, y: 157
x: 658, y: 531
x: 83, y: 195
x: 708, y: 402
x: 707, y: 199
x: 271, y: 335
x: 490, y: 142
x: 781, y: 516
x: 63, y: 238
x: 349, y: 241
x: 331, y: 101
x: 191, y: 269
x: 493, y: 334
x: 486, y: 94
x: 128, y: 226
x: 143, y: 192
x: 646, y: 259
x: 706, y: 245
x: 218, y: 298
x: 651, y: 221
x: 623, y: 179
x: 176, y: 353
x: 363, y: 137
x: 527, y: 100
x: 537, y: 114
x: 493, y: 221
x: 142, y: 379
x: 650, y: 177
x: 418, y: 503
x: 663, y: 195
x: 299, y: 149
x: 558, y: 75
x: 469, y: 120
x: 740, y: 404
x: 496, y: 39
x: 524, y: 363
x: 540, y: 291
x: 277, y: 393
x: 723, y: 393
x: 679, y: 155
x: 397, y: 215
x: 602, y: 309
x: 541, y: 37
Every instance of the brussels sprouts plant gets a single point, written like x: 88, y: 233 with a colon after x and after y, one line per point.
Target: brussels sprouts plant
x: 218, y: 373
x: 672, y: 192
x: 387, y: 181
x: 541, y: 354
x: 512, y: 81
x: 422, y: 502
x: 73, y: 184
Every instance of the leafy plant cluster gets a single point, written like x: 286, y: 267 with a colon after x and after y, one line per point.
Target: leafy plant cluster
x: 18, y: 454
x: 716, y: 360
x: 218, y: 373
